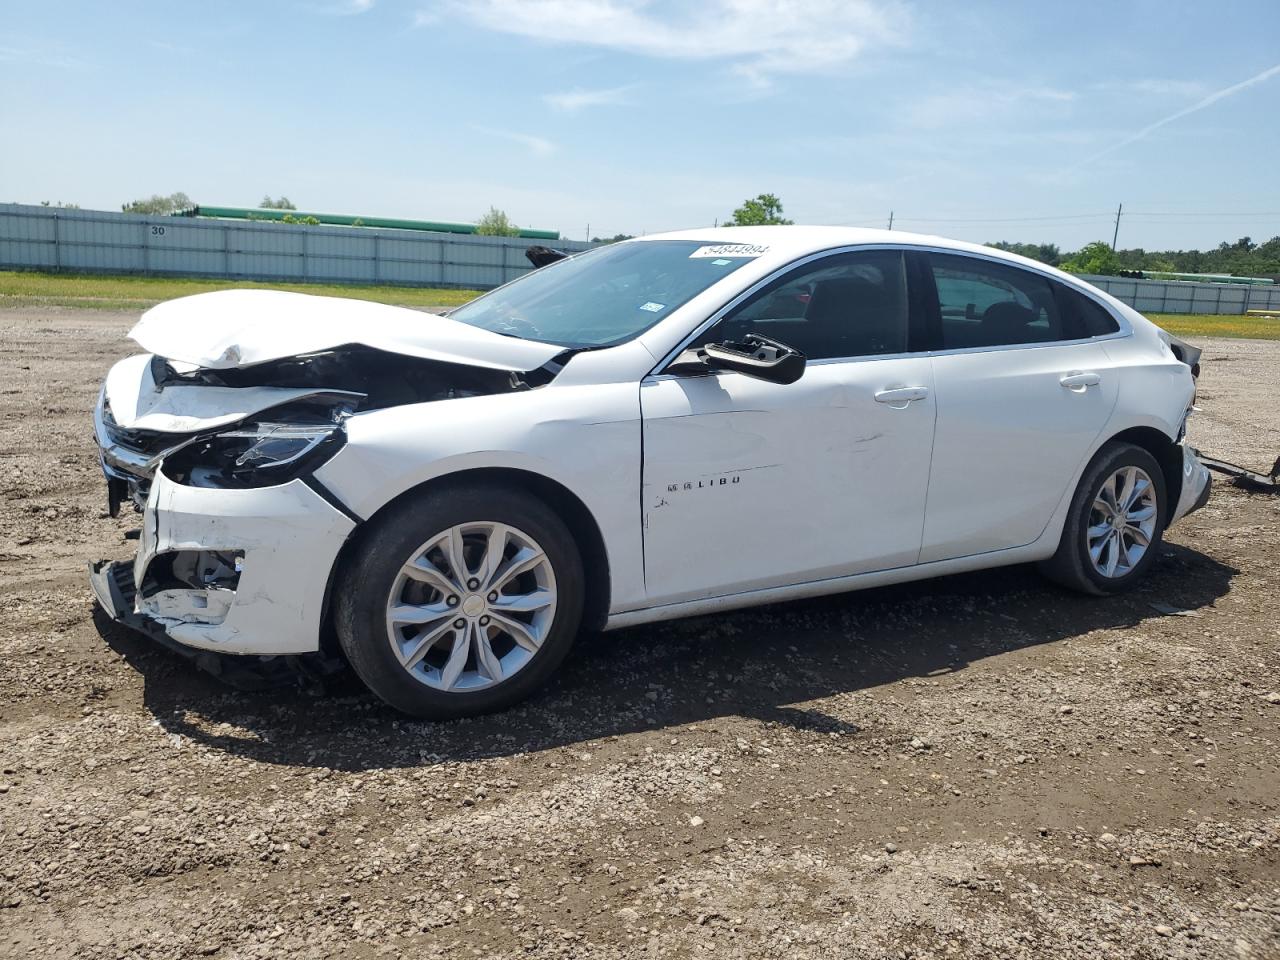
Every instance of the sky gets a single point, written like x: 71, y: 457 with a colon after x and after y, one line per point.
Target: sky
x: 980, y: 120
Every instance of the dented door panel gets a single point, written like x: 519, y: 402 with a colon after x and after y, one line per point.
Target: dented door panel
x: 750, y: 484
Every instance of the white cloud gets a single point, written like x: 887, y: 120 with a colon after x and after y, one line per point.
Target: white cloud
x: 538, y: 146
x: 571, y: 101
x: 1164, y: 88
x: 1152, y: 87
x: 342, y: 8
x: 1200, y: 104
x: 760, y: 38
x: 1048, y: 93
x: 39, y: 56
x: 981, y: 104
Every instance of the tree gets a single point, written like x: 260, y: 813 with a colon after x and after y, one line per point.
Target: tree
x: 60, y: 205
x: 284, y: 203
x: 496, y: 223
x: 1243, y: 258
x: 158, y: 205
x: 1044, y: 252
x: 764, y: 210
x: 616, y: 238
x: 1096, y: 258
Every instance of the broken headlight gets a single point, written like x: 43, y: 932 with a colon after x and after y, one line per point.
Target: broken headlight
x: 256, y: 454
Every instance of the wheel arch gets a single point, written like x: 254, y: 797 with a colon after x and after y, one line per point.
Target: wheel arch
x: 576, y: 515
x: 1165, y: 450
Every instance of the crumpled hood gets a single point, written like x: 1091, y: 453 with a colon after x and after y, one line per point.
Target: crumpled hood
x: 137, y: 403
x: 239, y: 328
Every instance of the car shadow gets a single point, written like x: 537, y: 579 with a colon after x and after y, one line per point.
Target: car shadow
x: 753, y: 663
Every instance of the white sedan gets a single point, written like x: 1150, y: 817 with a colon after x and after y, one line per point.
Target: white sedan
x: 675, y: 425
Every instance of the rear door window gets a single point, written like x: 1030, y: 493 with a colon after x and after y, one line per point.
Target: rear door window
x: 989, y: 304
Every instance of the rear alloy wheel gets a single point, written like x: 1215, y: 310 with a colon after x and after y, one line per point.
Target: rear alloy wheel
x: 1122, y: 522
x: 1114, y: 525
x: 461, y: 601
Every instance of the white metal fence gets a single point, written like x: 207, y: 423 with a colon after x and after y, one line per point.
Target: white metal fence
x: 95, y: 241
x: 1182, y: 296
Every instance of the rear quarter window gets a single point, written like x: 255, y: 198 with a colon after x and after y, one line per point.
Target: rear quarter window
x: 1082, y: 316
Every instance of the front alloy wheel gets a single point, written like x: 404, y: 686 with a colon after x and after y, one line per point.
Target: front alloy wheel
x: 472, y: 606
x: 460, y: 600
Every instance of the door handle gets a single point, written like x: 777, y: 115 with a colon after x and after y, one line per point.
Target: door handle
x: 1080, y: 382
x: 901, y: 396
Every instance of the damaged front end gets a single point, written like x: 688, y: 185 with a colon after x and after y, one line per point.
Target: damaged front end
x: 258, y: 450
x: 113, y: 587
x: 261, y: 425
x: 238, y: 539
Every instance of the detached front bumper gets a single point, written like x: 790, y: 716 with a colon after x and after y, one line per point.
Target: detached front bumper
x: 285, y: 540
x: 1196, y: 485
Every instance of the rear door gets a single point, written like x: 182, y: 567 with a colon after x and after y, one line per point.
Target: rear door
x: 1022, y: 392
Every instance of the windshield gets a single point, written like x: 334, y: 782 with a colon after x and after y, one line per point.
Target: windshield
x: 607, y: 295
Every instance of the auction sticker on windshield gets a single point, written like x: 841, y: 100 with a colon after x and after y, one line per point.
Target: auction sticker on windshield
x: 730, y: 250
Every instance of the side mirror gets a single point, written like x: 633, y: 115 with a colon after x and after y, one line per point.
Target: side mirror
x: 754, y: 355
x: 542, y: 256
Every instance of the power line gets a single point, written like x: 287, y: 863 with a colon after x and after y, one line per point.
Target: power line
x: 1149, y: 217
x: 1065, y: 216
x: 1192, y: 213
x: 1104, y: 217
x: 1169, y: 222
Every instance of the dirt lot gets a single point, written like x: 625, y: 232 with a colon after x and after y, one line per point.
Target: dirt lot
x: 980, y: 766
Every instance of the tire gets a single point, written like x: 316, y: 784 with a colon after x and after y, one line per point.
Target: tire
x: 1074, y: 564
x: 505, y: 653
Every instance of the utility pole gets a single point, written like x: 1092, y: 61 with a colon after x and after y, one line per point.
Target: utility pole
x: 1116, y: 233
x: 890, y: 219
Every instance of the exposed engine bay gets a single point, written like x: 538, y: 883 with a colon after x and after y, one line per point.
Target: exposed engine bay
x: 278, y: 441
x: 383, y: 378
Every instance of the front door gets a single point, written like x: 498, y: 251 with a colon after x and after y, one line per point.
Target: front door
x: 750, y: 484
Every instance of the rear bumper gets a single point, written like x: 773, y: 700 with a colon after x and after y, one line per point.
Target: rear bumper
x: 1196, y: 486
x: 286, y: 539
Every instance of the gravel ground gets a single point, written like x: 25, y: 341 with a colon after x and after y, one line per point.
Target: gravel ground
x: 977, y: 766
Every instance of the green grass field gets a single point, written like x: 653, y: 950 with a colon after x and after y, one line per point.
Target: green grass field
x: 128, y: 293
x: 1210, y: 325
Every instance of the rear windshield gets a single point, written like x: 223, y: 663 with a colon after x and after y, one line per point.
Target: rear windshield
x: 607, y: 295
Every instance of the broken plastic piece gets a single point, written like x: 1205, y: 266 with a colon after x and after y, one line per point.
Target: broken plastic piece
x: 1243, y: 476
